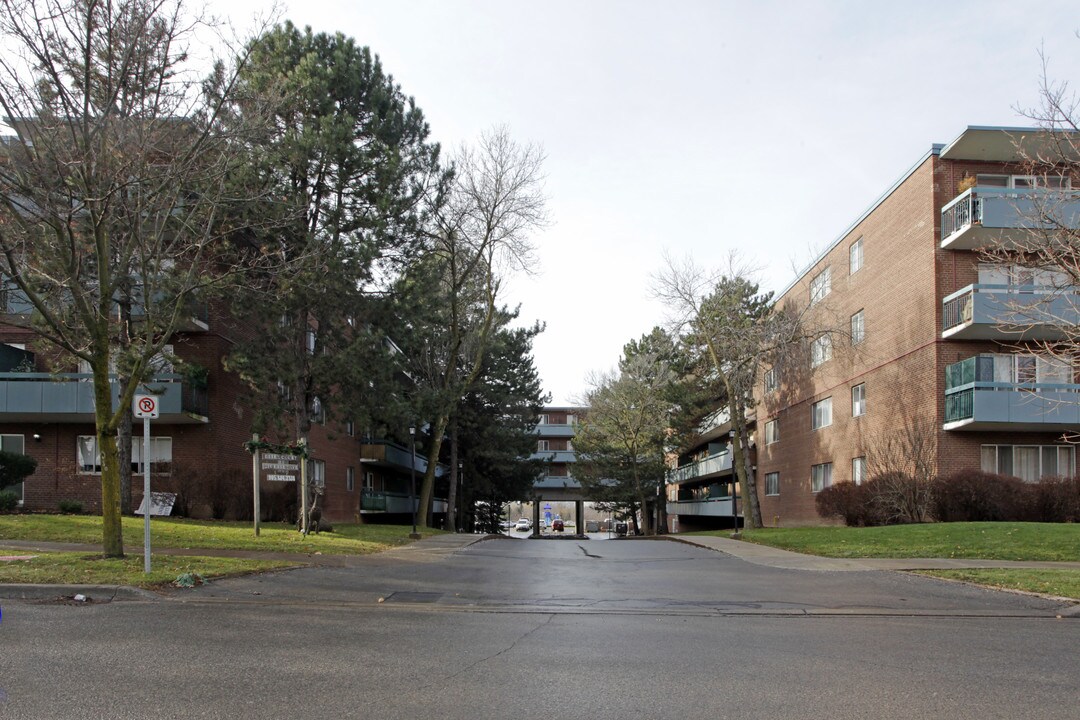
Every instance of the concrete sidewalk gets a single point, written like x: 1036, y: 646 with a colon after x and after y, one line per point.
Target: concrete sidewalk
x: 788, y: 560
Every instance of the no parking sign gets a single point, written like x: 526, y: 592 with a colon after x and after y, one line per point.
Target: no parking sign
x: 146, y: 406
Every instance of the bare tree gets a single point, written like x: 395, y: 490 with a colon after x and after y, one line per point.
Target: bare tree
x: 481, y: 234
x: 111, y: 189
x: 902, y: 466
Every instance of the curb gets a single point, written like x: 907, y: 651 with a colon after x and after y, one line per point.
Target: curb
x: 95, y: 594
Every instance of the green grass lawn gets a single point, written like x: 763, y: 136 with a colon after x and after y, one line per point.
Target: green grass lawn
x: 1062, y: 583
x: 71, y: 568
x: 990, y: 541
x: 347, y: 539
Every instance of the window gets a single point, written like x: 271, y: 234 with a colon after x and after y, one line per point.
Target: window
x: 318, y: 412
x: 350, y: 428
x: 543, y: 419
x: 160, y: 455
x: 820, y: 285
x: 858, y: 470
x: 350, y: 478
x: 1029, y: 462
x: 855, y: 257
x: 772, y: 432
x: 820, y: 350
x: 772, y: 483
x: 318, y: 473
x: 309, y: 342
x: 821, y: 413
x: 14, y: 444
x: 858, y: 328
x: 542, y: 446
x: 88, y: 455
x: 820, y: 477
x: 369, y: 480
x: 772, y: 381
x: 858, y: 400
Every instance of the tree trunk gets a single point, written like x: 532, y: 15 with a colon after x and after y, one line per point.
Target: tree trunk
x: 123, y: 450
x: 451, y: 497
x: 427, y: 488
x: 112, y: 534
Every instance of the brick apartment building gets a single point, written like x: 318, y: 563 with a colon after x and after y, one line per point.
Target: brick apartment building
x: 555, y: 446
x: 197, y: 444
x: 927, y: 349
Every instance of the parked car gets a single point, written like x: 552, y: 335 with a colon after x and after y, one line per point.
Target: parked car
x: 523, y: 525
x: 557, y: 525
x: 506, y: 524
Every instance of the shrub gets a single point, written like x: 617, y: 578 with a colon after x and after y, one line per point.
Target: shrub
x: 1056, y: 499
x: 845, y: 500
x: 8, y: 501
x: 975, y: 496
x: 186, y: 484
x: 278, y: 503
x: 15, y: 467
x: 71, y: 507
x: 897, y: 498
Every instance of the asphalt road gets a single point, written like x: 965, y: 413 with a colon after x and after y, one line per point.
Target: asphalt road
x: 548, y: 629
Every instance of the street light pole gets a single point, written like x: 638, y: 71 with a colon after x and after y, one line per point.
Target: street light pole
x: 412, y: 480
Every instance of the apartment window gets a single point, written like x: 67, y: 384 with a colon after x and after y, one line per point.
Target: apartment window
x: 858, y: 400
x: 88, y: 455
x: 772, y: 483
x: 820, y: 350
x: 858, y: 470
x: 318, y: 412
x: 369, y: 480
x: 318, y: 473
x: 1030, y: 462
x: 772, y: 432
x: 820, y: 477
x: 821, y: 413
x: 350, y: 428
x: 858, y: 328
x: 772, y: 381
x: 543, y: 419
x: 350, y: 479
x: 309, y: 342
x: 855, y: 256
x: 820, y: 285
x: 14, y: 444
x: 542, y: 445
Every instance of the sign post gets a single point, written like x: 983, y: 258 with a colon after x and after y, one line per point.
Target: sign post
x: 146, y: 407
x: 255, y: 479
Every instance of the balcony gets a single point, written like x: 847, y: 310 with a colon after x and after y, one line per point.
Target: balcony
x: 555, y: 456
x: 1008, y: 312
x: 69, y: 398
x: 984, y: 216
x: 14, y: 302
x: 389, y: 502
x: 717, y: 464
x: 975, y: 401
x: 387, y: 453
x: 560, y: 431
x: 708, y: 507
x: 556, y: 482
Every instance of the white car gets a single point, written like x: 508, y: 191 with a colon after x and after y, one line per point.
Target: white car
x: 523, y: 525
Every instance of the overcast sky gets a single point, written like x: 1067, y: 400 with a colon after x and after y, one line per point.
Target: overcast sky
x: 698, y: 127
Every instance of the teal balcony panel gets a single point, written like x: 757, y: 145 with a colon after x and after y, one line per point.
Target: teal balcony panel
x: 1009, y: 312
x: 712, y: 466
x: 1034, y: 407
x: 557, y: 482
x: 69, y: 398
x: 555, y: 456
x: 561, y: 431
x: 984, y: 216
x: 713, y: 507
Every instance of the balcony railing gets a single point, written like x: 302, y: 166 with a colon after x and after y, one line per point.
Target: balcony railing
x: 69, y: 397
x: 986, y: 311
x: 979, y: 215
x: 975, y: 401
x: 718, y: 463
x: 391, y: 502
x: 710, y: 507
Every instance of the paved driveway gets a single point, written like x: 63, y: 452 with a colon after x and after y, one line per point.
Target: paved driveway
x: 542, y: 629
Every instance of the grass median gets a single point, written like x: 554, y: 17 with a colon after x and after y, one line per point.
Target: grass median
x: 347, y: 538
x: 985, y: 541
x: 72, y: 568
x: 972, y: 541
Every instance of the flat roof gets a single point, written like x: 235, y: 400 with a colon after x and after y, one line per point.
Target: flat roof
x: 1011, y: 144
